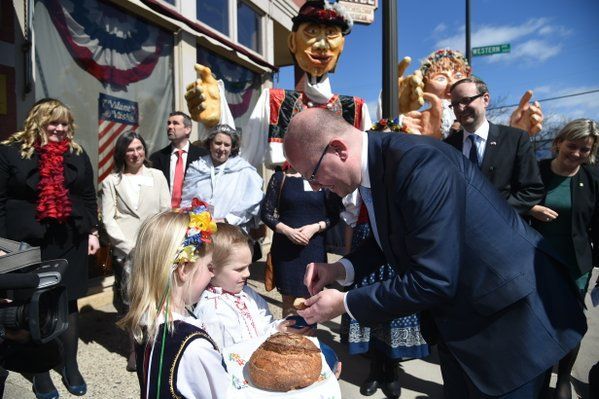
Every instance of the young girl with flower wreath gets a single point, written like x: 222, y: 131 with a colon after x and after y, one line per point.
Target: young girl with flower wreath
x: 230, y: 310
x: 176, y: 357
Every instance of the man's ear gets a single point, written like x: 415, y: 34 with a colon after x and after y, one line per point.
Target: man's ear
x: 487, y: 99
x: 340, y: 148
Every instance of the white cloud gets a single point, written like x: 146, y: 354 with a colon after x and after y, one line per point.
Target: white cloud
x: 531, y: 51
x: 580, y: 106
x: 440, y: 28
x: 536, y: 40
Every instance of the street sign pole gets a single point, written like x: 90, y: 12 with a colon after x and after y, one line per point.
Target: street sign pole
x: 468, y: 48
x: 389, y: 96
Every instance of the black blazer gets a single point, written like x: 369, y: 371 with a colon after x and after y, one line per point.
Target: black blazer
x: 510, y: 164
x: 462, y: 253
x: 584, y: 188
x: 18, y: 194
x: 161, y: 159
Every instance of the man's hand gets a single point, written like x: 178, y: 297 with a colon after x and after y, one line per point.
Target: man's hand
x: 410, y: 88
x: 324, y: 306
x: 528, y: 117
x: 203, y: 97
x: 320, y: 274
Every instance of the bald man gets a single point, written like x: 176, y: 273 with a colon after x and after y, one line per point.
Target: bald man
x: 499, y: 298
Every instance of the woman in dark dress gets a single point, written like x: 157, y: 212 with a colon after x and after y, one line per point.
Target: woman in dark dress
x: 568, y: 216
x: 299, y: 217
x: 47, y: 199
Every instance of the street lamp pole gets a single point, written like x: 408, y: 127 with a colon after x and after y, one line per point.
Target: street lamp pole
x: 389, y: 96
x: 468, y: 47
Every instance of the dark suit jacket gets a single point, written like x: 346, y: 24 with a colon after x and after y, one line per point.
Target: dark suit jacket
x: 18, y: 194
x: 161, y: 159
x: 584, y: 187
x: 495, y: 291
x: 510, y: 164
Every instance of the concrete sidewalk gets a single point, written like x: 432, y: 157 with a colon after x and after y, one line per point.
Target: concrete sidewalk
x: 103, y: 349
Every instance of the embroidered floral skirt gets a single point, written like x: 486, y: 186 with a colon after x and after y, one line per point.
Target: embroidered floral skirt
x: 397, y: 339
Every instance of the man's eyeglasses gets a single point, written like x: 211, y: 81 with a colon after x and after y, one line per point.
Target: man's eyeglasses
x: 466, y: 100
x: 312, y: 177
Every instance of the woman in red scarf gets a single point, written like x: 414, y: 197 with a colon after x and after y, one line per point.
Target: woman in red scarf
x: 48, y: 199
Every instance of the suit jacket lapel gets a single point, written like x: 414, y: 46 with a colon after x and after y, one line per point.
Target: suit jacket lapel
x: 379, y: 190
x: 122, y: 192
x: 491, y: 149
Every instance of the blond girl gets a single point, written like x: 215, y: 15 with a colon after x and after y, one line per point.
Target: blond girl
x: 171, y: 259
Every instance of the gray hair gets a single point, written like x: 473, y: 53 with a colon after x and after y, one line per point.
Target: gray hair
x: 229, y: 131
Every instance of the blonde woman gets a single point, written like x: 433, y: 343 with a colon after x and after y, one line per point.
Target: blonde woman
x: 568, y: 216
x: 48, y: 199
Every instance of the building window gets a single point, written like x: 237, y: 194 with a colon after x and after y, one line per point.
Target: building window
x: 170, y: 2
x: 214, y: 13
x: 248, y: 27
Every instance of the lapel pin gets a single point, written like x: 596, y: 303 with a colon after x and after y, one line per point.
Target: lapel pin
x: 493, y: 143
x: 581, y: 184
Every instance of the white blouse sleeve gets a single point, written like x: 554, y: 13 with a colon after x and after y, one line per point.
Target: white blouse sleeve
x: 201, y: 373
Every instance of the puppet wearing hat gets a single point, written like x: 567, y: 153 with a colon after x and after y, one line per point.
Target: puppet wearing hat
x: 316, y: 42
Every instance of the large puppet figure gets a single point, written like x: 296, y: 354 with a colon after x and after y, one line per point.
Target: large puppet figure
x: 316, y: 42
x: 431, y: 83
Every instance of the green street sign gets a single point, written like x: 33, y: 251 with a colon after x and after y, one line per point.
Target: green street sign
x: 488, y: 50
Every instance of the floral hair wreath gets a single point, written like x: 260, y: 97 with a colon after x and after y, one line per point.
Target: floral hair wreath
x: 200, y: 229
x: 393, y: 125
x: 435, y: 56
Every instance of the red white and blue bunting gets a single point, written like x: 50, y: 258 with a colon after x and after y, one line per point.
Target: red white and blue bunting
x: 114, y: 47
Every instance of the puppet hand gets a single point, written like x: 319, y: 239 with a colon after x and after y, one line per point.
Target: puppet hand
x: 203, y: 97
x: 431, y: 118
x: 410, y: 88
x: 528, y: 117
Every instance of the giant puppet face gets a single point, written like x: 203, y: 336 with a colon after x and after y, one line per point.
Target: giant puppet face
x: 316, y: 47
x: 441, y: 69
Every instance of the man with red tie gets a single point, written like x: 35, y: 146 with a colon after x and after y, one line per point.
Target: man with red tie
x: 174, y: 159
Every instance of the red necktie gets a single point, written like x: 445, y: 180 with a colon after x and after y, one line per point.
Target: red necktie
x: 178, y: 181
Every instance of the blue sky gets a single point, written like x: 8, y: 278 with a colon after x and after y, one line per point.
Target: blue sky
x: 554, y: 50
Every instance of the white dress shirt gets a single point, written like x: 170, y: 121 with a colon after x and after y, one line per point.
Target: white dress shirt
x: 480, y: 136
x: 174, y: 163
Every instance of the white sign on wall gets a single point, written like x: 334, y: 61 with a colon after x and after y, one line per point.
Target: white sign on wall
x: 362, y: 11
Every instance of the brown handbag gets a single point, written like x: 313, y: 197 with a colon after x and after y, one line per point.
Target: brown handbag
x: 269, y: 270
x: 269, y: 274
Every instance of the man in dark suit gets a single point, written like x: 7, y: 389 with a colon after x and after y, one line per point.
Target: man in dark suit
x: 504, y: 154
x: 178, y: 131
x: 497, y: 295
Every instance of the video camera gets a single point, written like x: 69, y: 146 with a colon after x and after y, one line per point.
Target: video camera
x: 31, y: 297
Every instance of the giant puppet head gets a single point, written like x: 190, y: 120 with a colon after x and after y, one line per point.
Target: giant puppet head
x: 441, y: 69
x: 318, y: 35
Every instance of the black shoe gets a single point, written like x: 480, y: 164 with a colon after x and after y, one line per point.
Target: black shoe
x: 391, y: 386
x: 77, y: 390
x: 53, y: 394
x: 369, y: 387
x: 375, y: 377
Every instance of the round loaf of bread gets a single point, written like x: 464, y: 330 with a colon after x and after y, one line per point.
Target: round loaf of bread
x: 284, y: 362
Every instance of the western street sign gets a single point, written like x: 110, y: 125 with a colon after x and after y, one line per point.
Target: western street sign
x: 488, y: 50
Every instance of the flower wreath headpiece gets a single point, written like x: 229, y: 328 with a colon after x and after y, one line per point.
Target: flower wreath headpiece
x: 392, y: 125
x: 435, y: 56
x: 200, y: 230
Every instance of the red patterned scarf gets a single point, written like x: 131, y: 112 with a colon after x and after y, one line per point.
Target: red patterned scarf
x: 53, y: 197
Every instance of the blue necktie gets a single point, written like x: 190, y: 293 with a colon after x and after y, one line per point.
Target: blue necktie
x: 366, y: 195
x: 473, y: 153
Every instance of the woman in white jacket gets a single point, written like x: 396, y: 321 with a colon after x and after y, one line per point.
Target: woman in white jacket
x: 130, y: 195
x: 226, y: 182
